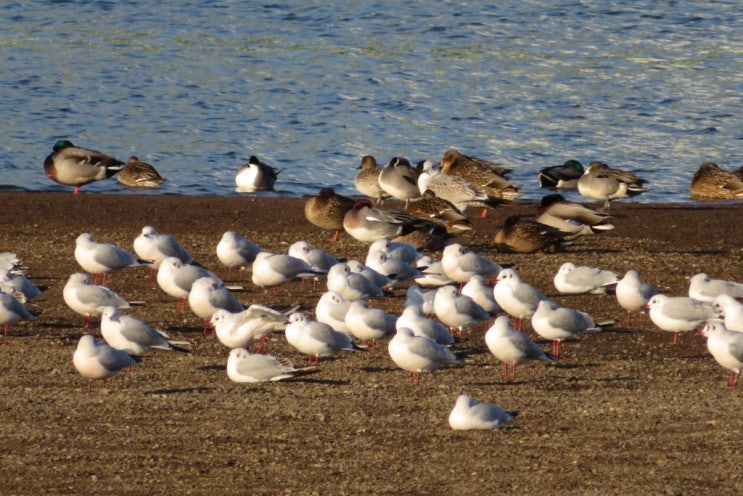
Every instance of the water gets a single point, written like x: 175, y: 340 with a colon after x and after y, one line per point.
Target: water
x: 310, y: 87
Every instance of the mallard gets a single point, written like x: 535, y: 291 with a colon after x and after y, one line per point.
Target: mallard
x: 482, y: 173
x: 571, y: 217
x: 136, y: 174
x: 563, y: 176
x: 255, y: 176
x: 74, y: 166
x: 327, y: 210
x: 602, y: 182
x: 523, y: 235
x: 711, y: 182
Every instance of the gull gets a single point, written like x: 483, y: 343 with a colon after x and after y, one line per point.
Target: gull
x: 18, y: 284
x: 74, y: 166
x: 571, y: 217
x: 702, y: 288
x: 731, y: 310
x: 176, y: 278
x: 331, y: 309
x: 399, y: 271
x: 633, y: 294
x: 460, y: 264
x: 369, y: 324
x: 482, y: 294
x: 367, y: 223
x: 243, y: 366
x: 455, y: 310
x: 458, y: 191
x: 372, y: 275
x: 132, y: 335
x: 102, y: 258
x: 563, y: 176
x: 469, y: 414
x: 433, y: 273
x: 236, y: 252
x: 315, y: 339
x: 602, y: 182
x: 207, y: 296
x: 678, y: 313
x: 99, y: 361
x: 515, y: 297
x: 557, y: 323
x: 412, y: 317
x: 351, y: 285
x: 418, y: 354
x: 511, y: 346
x: 726, y: 347
x: 154, y: 247
x: 255, y: 176
x: 327, y: 210
x: 137, y: 174
x: 242, y: 329
x: 572, y: 279
x: 319, y: 260
x: 367, y: 180
x: 399, y: 180
x: 423, y: 299
x: 407, y: 252
x: 88, y: 299
x: 12, y: 311
x: 273, y: 269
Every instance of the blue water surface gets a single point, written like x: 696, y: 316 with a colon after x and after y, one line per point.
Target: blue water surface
x: 310, y: 87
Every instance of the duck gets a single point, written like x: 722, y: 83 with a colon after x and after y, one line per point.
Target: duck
x: 327, y: 209
x: 711, y: 182
x: 602, y: 182
x: 525, y: 235
x: 571, y: 217
x: 136, y: 174
x: 367, y: 180
x: 367, y: 223
x: 430, y: 206
x: 255, y: 176
x: 482, y: 173
x: 563, y: 176
x: 75, y: 166
x: 400, y: 180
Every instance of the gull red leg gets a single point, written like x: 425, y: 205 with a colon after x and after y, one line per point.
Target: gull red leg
x: 260, y: 346
x: 676, y: 337
x: 556, y: 347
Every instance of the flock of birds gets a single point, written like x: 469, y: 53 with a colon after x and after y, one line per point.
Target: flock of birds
x: 446, y: 295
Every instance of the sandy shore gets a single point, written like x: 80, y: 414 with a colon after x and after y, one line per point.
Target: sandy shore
x: 621, y: 412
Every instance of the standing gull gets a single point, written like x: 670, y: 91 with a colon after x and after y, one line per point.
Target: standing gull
x: 559, y: 323
x: 678, y: 313
x: 515, y: 297
x: 731, y: 310
x: 99, y: 361
x: 207, y: 296
x: 242, y: 329
x: 12, y: 311
x: 633, y: 294
x: 726, y: 347
x: 412, y: 317
x: 315, y: 339
x: 418, y: 354
x: 176, y: 278
x: 87, y: 299
x: 101, y: 258
x: 456, y: 310
x: 460, y: 264
x: 132, y: 335
x: 511, y: 346
x: 236, y: 252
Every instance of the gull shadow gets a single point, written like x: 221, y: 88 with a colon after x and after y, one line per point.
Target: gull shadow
x: 196, y: 389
